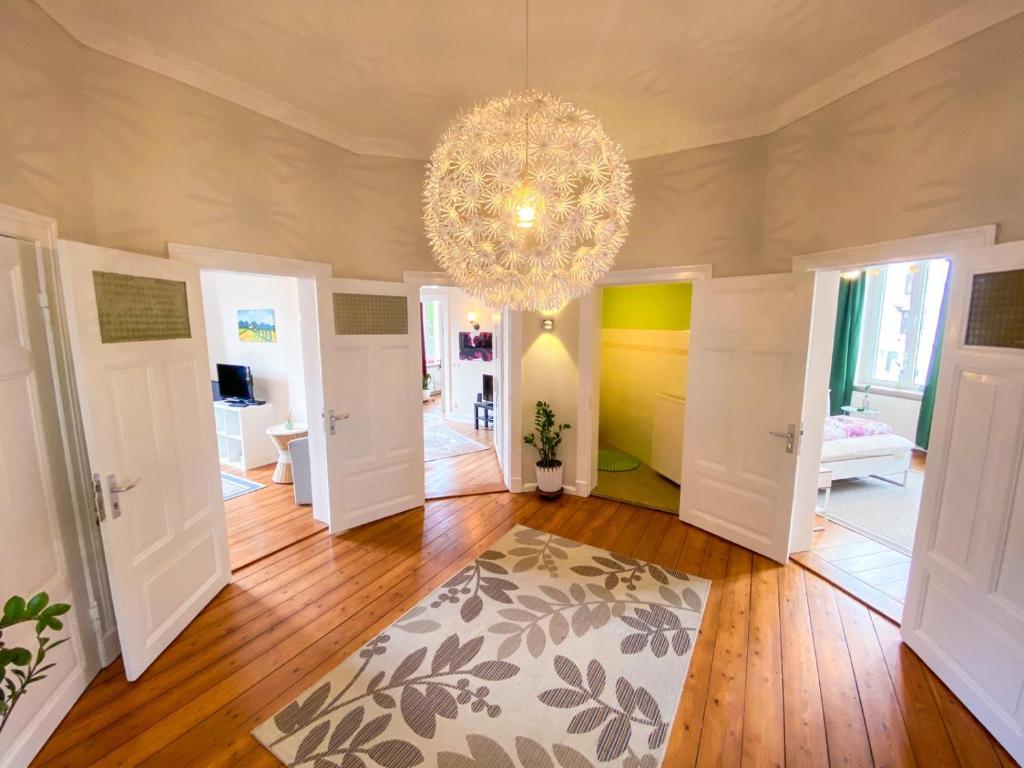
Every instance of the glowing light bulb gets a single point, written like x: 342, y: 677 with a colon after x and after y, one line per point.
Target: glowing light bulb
x: 525, y: 215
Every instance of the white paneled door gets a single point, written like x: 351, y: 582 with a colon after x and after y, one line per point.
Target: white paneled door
x: 32, y: 484
x: 965, y: 601
x: 143, y: 379
x: 372, y: 403
x: 749, y: 340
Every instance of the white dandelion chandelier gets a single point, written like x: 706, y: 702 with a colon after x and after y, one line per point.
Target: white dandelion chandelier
x: 526, y: 201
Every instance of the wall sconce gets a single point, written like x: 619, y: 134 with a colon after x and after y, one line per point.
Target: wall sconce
x: 473, y: 321
x: 548, y: 324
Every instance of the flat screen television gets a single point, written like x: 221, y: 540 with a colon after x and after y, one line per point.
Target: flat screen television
x: 235, y: 382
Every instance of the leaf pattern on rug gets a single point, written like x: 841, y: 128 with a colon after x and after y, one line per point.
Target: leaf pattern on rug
x: 487, y: 753
x: 581, y: 609
x: 632, y: 706
x: 493, y: 650
x: 441, y: 695
x: 620, y: 569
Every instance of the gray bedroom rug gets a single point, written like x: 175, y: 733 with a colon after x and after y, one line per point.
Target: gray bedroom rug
x: 541, y: 652
x: 880, y: 510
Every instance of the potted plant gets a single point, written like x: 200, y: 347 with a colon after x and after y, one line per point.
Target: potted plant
x: 427, y: 383
x: 20, y: 667
x: 546, y: 440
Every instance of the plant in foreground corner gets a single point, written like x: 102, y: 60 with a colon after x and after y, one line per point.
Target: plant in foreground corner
x: 20, y: 667
x: 547, y: 437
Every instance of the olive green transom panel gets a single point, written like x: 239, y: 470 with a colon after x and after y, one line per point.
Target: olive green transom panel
x: 361, y: 314
x: 133, y: 308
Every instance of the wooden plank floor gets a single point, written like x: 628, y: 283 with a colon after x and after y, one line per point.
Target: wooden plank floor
x: 469, y: 474
x: 787, y: 670
x: 871, y: 571
x: 265, y: 521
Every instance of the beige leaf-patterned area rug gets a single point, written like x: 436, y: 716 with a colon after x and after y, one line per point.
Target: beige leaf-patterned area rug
x: 542, y: 653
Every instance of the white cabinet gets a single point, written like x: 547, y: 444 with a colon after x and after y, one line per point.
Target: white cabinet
x: 667, y: 436
x: 242, y: 440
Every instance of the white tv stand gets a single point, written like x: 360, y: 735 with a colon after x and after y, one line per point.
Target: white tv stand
x: 242, y: 440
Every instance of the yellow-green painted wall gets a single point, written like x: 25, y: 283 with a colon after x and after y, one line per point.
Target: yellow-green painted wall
x: 647, y: 307
x: 645, y: 337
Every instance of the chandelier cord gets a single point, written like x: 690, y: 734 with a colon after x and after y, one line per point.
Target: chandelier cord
x: 526, y: 73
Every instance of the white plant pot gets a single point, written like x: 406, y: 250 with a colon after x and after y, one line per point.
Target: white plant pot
x: 549, y: 479
x: 426, y: 395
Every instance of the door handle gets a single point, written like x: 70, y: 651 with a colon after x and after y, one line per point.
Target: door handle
x: 789, y: 437
x: 97, y: 490
x: 115, y: 491
x: 332, y: 418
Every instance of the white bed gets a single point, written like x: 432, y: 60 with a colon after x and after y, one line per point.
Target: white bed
x: 885, y: 456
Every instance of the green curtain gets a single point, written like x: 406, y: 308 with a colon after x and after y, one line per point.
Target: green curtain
x: 847, y: 342
x: 924, y: 419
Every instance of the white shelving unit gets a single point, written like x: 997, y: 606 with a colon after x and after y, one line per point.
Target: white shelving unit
x: 242, y: 440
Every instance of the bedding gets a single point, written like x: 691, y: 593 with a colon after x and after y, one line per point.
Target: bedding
x: 843, y: 427
x: 868, y: 446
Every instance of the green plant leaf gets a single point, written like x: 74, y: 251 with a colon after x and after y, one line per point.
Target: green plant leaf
x: 21, y: 656
x: 36, y: 604
x: 14, y: 609
x: 57, y: 609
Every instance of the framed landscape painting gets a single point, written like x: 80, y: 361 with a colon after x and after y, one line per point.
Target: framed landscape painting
x: 257, y: 325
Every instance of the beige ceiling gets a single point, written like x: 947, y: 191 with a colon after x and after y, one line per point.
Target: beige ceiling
x: 387, y: 76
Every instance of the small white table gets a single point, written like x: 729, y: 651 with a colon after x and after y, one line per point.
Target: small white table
x: 824, y: 483
x: 282, y: 435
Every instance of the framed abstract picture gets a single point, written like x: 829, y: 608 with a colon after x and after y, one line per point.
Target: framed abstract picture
x: 257, y: 325
x: 478, y: 346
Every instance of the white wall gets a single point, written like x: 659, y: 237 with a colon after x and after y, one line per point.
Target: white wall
x: 900, y: 413
x: 550, y: 372
x: 466, y: 375
x: 276, y: 367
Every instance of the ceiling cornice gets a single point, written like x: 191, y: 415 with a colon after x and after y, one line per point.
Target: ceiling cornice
x: 104, y: 38
x: 945, y: 31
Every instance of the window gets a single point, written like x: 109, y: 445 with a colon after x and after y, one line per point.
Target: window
x: 433, y: 331
x: 901, y: 314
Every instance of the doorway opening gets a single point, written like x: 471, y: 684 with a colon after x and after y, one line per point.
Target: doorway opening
x: 255, y: 344
x: 643, y: 347
x: 885, y: 366
x: 462, y: 383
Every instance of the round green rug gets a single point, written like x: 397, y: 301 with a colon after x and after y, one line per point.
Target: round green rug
x: 614, y: 460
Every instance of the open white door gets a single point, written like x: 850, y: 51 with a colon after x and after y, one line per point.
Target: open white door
x: 744, y: 401
x: 141, y: 365
x: 35, y: 503
x: 372, y: 404
x: 965, y: 601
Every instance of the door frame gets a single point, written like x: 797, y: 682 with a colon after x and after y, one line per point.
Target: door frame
x: 588, y: 392
x: 931, y: 246
x: 446, y: 347
x: 305, y: 272
x: 83, y: 565
x: 510, y: 369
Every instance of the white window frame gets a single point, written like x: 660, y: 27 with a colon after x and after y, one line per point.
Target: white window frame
x: 874, y: 294
x: 441, y: 309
